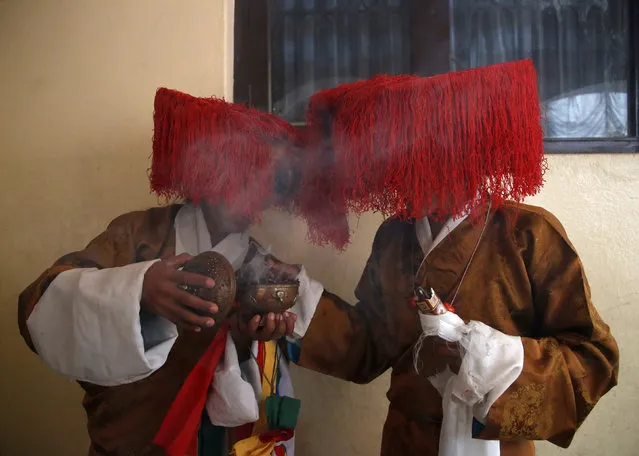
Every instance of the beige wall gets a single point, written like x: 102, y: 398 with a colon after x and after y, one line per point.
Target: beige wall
x: 77, y: 80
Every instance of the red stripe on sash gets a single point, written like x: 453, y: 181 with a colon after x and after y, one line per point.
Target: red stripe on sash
x: 261, y: 356
x: 179, y: 429
x: 277, y: 435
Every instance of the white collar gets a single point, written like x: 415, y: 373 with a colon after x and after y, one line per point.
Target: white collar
x: 425, y: 236
x: 192, y: 236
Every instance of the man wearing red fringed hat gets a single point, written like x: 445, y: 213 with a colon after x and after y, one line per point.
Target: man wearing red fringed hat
x: 478, y: 303
x: 160, y: 374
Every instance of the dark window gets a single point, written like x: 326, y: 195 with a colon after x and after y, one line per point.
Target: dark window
x: 585, y: 52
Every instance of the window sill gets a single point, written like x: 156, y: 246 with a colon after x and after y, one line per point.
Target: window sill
x: 592, y: 146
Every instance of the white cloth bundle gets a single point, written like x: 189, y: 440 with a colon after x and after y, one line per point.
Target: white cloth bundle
x: 491, y: 362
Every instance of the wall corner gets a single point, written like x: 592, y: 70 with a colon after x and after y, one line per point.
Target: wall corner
x: 229, y: 44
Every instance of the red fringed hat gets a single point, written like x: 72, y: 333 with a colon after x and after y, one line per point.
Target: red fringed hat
x: 209, y: 148
x: 238, y: 156
x: 396, y: 144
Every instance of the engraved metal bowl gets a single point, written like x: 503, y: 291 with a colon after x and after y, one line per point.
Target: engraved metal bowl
x: 214, y: 265
x: 270, y: 297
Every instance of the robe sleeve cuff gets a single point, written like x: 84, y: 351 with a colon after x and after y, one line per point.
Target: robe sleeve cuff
x: 88, y: 326
x: 310, y: 293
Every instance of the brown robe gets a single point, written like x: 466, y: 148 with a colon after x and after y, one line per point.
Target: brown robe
x: 124, y: 419
x: 525, y: 280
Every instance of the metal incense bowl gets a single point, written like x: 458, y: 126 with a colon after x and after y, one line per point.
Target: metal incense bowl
x: 268, y: 297
x: 252, y: 298
x: 214, y: 265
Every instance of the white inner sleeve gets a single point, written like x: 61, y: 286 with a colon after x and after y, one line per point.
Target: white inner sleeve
x: 491, y: 362
x: 310, y: 293
x: 87, y: 326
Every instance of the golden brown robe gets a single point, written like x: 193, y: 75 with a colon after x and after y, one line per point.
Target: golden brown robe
x: 123, y: 420
x: 525, y: 280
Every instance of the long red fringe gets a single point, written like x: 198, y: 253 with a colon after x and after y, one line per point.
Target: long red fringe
x: 404, y: 145
x: 208, y: 148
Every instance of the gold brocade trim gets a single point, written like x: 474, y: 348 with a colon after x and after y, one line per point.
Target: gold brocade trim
x: 524, y: 413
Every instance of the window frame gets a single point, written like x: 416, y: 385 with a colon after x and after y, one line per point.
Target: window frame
x: 252, y: 67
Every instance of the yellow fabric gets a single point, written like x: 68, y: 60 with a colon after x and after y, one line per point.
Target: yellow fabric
x: 270, y: 361
x: 270, y: 349
x: 253, y: 447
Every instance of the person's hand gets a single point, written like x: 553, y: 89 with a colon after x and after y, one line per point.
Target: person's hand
x: 162, y: 295
x: 436, y: 354
x: 271, y: 326
x: 268, y: 327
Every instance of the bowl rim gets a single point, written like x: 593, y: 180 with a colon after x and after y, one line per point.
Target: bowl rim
x: 272, y: 285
